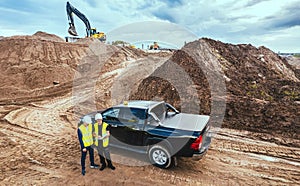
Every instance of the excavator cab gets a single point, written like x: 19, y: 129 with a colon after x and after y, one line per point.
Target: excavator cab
x: 93, y: 31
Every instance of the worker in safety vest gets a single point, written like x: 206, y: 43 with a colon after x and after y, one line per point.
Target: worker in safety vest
x: 85, y: 137
x: 101, y: 134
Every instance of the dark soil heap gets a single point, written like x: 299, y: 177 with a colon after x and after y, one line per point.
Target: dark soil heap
x: 262, y: 89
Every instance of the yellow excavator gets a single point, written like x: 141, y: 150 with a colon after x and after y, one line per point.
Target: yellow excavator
x: 155, y: 46
x: 90, y: 32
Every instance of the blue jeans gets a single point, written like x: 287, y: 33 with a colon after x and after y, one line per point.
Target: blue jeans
x: 83, y: 156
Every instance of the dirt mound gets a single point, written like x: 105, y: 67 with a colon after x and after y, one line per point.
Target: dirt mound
x: 123, y: 70
x: 36, y: 62
x: 46, y: 36
x: 32, y: 65
x: 262, y: 89
x: 294, y: 61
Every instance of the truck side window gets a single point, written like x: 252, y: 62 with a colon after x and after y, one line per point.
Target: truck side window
x: 132, y: 115
x: 111, y: 114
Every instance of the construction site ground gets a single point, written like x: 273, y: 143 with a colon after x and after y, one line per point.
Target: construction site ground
x: 39, y: 144
x: 33, y: 153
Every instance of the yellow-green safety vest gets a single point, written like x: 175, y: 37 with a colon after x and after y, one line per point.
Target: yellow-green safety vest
x: 87, y: 136
x: 104, y: 141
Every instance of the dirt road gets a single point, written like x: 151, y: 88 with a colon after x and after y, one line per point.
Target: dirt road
x: 39, y: 146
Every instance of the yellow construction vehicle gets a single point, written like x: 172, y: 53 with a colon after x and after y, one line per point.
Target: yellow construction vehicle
x: 155, y: 46
x: 90, y: 32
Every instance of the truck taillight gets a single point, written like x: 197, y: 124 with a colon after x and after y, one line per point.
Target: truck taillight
x: 197, y: 143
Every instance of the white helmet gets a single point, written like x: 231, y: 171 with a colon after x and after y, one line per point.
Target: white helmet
x: 87, y: 119
x: 98, y: 116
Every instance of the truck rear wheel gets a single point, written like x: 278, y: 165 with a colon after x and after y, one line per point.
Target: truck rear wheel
x: 160, y: 157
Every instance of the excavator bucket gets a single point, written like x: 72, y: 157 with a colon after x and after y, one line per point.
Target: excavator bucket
x: 72, y: 30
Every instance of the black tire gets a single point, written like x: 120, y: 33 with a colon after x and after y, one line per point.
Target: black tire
x: 161, y: 157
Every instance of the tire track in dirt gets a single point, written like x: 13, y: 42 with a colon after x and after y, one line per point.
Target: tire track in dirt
x: 267, y: 149
x: 11, y: 128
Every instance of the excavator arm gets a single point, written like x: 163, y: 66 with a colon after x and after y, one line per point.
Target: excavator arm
x: 72, y: 29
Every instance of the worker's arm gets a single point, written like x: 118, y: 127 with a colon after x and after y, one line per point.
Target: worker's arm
x: 107, y: 131
x: 80, y: 139
x: 107, y: 134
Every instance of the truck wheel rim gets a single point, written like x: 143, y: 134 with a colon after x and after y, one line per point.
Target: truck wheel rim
x: 159, y: 157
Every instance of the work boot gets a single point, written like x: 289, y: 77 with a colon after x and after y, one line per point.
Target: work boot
x: 110, y: 165
x: 94, y: 166
x: 83, y: 172
x: 102, y: 167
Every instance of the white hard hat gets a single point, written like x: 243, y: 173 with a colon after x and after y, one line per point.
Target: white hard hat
x: 98, y: 116
x: 87, y: 119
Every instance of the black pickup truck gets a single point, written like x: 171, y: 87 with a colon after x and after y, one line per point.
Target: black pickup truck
x: 157, y: 129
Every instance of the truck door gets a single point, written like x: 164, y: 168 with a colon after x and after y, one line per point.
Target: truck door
x: 111, y: 117
x: 134, y: 122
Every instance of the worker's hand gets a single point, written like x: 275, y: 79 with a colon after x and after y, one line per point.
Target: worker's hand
x: 99, y: 137
x: 94, y: 134
x: 84, y: 150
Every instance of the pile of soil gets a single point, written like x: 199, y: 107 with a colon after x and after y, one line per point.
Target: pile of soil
x: 262, y: 88
x: 43, y: 64
x: 29, y: 63
x: 295, y: 62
